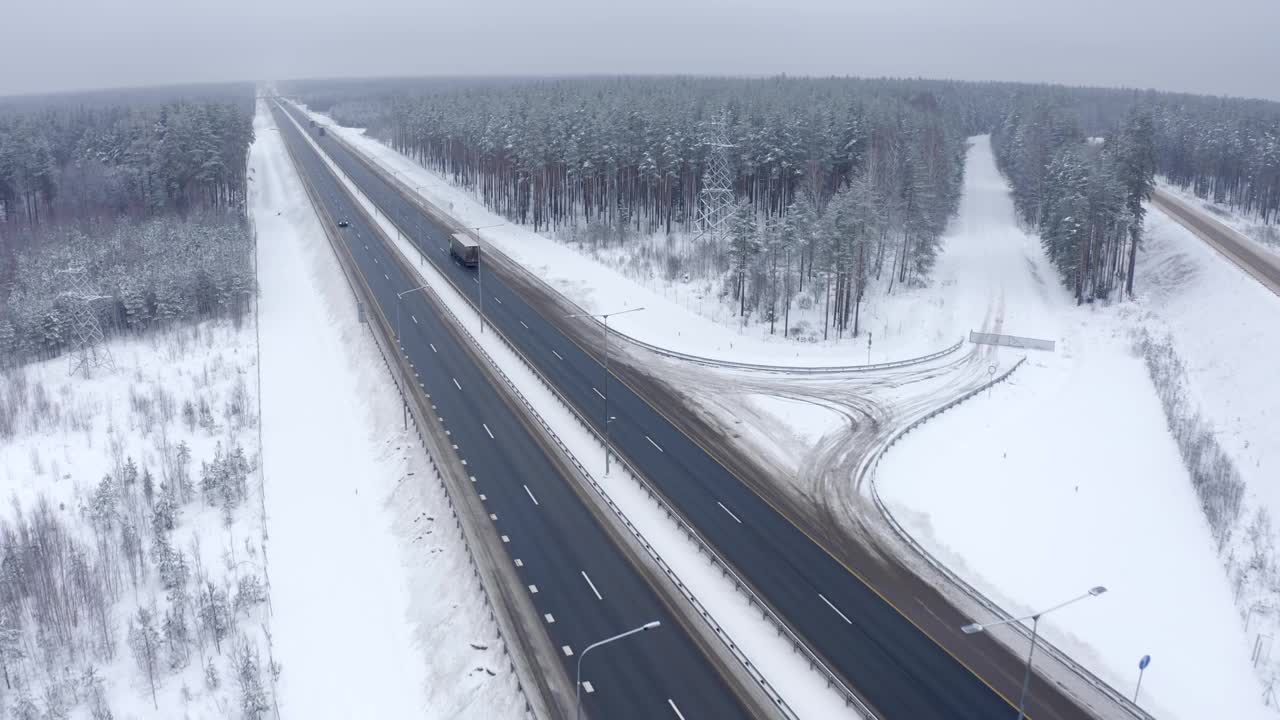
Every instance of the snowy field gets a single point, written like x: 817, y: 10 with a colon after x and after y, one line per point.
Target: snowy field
x: 371, y: 620
x: 1067, y: 477
x: 143, y: 452
x: 684, y: 315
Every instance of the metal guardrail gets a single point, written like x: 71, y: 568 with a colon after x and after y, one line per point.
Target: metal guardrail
x: 786, y: 369
x: 867, y: 472
x: 741, y: 585
x: 401, y: 378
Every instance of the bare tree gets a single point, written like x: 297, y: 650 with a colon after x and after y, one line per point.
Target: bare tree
x: 145, y: 642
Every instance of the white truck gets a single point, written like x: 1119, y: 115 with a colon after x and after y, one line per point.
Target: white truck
x: 465, y: 249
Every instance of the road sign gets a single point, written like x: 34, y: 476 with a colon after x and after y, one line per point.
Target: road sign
x: 1142, y: 668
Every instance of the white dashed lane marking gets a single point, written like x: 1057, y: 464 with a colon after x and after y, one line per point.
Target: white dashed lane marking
x: 833, y: 607
x: 593, y: 585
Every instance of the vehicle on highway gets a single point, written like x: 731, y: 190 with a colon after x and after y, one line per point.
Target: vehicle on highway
x: 322, y: 131
x: 465, y: 249
x: 343, y: 223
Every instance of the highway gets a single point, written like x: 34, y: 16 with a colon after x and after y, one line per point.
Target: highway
x: 1264, y: 267
x: 895, y: 667
x: 583, y: 587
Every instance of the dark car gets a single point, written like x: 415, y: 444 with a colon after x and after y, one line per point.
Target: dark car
x: 343, y: 223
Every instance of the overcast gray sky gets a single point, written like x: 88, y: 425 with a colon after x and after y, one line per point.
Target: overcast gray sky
x: 1209, y: 46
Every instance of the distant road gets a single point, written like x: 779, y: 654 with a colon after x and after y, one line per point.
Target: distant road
x: 1242, y: 251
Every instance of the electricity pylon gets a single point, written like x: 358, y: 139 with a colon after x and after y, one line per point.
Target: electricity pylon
x: 89, y: 349
x: 716, y: 201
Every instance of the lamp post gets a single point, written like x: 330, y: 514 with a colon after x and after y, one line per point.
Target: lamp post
x: 593, y: 646
x: 607, y: 417
x: 479, y: 275
x: 400, y: 295
x: 1035, y: 628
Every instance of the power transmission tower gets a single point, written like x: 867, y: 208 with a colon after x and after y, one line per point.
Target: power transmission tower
x: 87, y: 339
x: 716, y: 202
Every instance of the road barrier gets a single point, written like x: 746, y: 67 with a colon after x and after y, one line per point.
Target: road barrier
x: 783, y: 369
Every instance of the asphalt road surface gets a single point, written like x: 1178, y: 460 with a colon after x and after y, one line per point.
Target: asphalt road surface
x: 581, y: 584
x: 1242, y: 251
x: 894, y: 666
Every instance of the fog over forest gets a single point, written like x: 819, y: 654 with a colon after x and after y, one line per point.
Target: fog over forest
x: 1225, y: 47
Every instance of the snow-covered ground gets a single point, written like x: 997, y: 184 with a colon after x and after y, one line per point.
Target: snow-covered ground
x: 803, y: 689
x: 1266, y: 236
x: 70, y: 432
x: 686, y: 316
x: 1067, y: 477
x: 370, y: 617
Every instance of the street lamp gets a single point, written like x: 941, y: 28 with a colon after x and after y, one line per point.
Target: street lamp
x: 1035, y: 627
x: 607, y: 418
x: 400, y: 295
x: 593, y: 646
x: 479, y: 276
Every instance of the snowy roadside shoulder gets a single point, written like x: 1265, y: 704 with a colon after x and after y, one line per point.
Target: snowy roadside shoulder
x: 356, y: 546
x: 805, y: 691
x: 1206, y: 333
x: 687, y: 317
